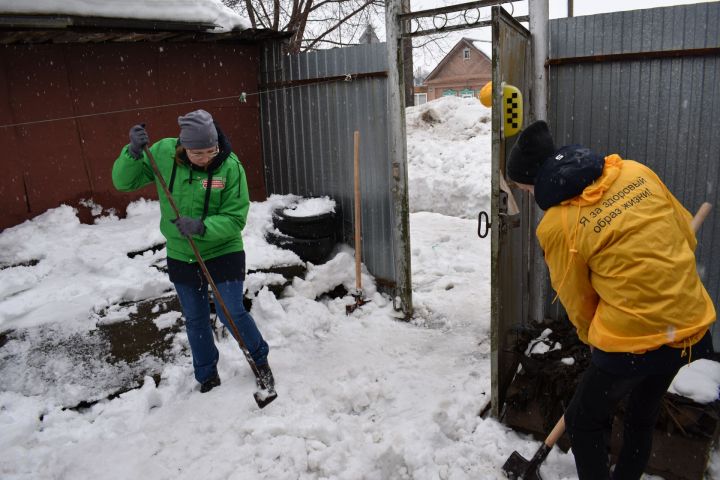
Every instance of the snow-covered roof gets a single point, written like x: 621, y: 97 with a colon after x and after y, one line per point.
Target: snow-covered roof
x: 196, y: 11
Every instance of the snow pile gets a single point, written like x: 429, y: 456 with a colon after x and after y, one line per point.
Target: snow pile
x: 699, y: 381
x: 361, y: 396
x: 259, y: 222
x: 205, y: 11
x: 80, y: 268
x: 448, y: 149
x: 308, y: 207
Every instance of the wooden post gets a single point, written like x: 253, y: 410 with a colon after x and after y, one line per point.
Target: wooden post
x: 398, y: 158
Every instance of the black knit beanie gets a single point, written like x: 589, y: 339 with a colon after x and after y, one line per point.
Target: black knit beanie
x: 533, y: 146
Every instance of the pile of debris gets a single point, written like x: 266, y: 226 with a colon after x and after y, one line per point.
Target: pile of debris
x: 552, y: 360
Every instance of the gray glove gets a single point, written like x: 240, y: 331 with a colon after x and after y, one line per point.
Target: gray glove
x: 189, y: 226
x: 138, y: 140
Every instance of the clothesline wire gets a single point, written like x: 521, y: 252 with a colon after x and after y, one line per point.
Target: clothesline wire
x: 241, y: 97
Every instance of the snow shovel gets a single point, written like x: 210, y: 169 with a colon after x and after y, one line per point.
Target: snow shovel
x: 516, y: 467
x: 700, y: 216
x: 267, y: 393
x: 358, y: 293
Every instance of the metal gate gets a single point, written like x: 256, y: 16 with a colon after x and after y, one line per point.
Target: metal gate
x: 511, y: 233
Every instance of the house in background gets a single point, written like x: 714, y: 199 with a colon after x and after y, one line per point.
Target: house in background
x: 462, y: 72
x: 419, y: 87
x: 420, y: 92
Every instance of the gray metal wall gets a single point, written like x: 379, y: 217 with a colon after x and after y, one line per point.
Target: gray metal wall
x: 659, y: 108
x: 308, y: 118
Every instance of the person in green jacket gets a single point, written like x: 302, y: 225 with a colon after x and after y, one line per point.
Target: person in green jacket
x: 208, y: 184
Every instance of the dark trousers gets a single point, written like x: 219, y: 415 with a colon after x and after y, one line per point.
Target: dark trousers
x: 644, y: 379
x: 590, y: 414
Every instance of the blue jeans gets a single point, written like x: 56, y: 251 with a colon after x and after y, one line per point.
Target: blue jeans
x: 196, y: 308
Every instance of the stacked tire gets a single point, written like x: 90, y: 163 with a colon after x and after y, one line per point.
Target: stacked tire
x: 312, y: 238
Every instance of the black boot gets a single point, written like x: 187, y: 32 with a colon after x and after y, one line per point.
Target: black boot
x: 266, y: 378
x: 210, y: 383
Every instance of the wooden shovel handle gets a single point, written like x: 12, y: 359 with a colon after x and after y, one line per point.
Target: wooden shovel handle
x: 358, y: 221
x: 556, y: 432
x: 700, y: 216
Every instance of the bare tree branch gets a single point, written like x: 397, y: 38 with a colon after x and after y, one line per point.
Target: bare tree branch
x: 276, y: 14
x: 312, y: 22
x: 265, y: 16
x: 251, y: 15
x: 339, y: 23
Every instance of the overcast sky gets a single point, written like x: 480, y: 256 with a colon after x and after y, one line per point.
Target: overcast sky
x: 558, y: 8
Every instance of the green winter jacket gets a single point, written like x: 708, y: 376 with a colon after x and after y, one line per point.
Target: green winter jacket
x: 227, y: 206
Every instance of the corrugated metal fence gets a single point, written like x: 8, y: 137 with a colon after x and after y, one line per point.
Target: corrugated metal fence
x: 313, y: 103
x: 645, y: 84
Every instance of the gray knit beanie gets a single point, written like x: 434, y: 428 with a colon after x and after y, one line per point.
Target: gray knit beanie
x: 197, y: 130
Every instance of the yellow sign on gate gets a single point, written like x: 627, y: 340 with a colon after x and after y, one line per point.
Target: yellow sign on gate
x: 512, y: 105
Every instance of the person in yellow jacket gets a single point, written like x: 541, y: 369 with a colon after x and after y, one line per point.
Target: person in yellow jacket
x: 620, y: 251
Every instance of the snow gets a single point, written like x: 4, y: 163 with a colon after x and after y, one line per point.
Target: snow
x: 308, y: 207
x: 448, y: 144
x: 698, y: 381
x: 205, y: 11
x: 542, y: 345
x: 81, y: 268
x: 260, y: 221
x: 361, y: 396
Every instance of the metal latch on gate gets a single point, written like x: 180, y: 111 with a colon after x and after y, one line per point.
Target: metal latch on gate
x: 507, y: 212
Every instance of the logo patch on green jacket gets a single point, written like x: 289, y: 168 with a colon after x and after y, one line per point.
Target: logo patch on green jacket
x: 216, y: 183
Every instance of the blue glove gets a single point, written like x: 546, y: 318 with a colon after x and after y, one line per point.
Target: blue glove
x: 189, y: 226
x: 138, y: 140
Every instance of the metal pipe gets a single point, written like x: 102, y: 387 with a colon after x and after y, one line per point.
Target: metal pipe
x: 539, y: 278
x: 538, y: 10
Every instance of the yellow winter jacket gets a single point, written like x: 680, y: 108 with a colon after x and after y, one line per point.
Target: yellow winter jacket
x: 621, y: 258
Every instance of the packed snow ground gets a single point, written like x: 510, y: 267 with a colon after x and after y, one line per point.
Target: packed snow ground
x: 360, y: 397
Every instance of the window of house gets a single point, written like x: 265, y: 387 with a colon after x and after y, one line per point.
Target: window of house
x: 467, y: 93
x: 466, y: 54
x: 449, y: 93
x: 420, y: 98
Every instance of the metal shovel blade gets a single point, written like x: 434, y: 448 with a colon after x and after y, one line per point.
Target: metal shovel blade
x: 359, y: 302
x: 263, y: 398
x: 517, y: 468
